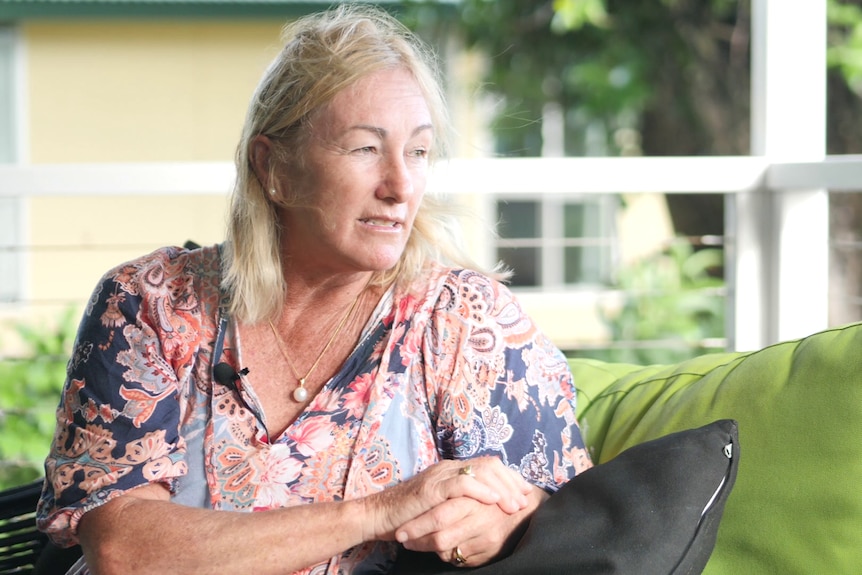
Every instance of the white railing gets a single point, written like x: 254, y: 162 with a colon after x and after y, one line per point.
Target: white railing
x: 776, y: 251
x: 777, y: 214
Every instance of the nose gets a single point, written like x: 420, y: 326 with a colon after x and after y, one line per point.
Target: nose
x: 396, y: 183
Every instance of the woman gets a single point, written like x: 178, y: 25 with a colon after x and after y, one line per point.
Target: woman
x: 335, y: 366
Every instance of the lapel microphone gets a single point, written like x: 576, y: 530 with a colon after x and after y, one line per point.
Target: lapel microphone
x: 227, y: 375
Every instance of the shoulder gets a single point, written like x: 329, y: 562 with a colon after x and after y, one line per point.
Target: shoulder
x: 171, y: 258
x: 476, y: 289
x: 176, y: 276
x: 164, y: 266
x: 468, y: 293
x: 439, y: 277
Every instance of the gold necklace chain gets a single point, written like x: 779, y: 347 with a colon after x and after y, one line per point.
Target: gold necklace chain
x: 300, y: 394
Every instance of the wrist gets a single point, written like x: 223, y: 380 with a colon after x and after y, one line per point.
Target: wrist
x: 374, y: 522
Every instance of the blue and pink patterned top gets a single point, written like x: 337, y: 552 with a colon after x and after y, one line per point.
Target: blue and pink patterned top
x: 450, y: 369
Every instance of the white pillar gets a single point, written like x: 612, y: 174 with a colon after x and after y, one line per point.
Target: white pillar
x: 780, y: 241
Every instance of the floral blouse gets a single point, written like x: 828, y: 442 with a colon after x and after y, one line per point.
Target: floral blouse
x: 450, y: 368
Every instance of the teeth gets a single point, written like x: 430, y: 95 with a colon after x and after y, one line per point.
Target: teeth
x: 387, y: 223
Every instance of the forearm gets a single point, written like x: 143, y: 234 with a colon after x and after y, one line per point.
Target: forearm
x: 134, y: 535
x: 143, y: 532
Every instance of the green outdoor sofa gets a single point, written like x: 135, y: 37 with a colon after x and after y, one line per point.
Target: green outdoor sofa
x: 796, y: 507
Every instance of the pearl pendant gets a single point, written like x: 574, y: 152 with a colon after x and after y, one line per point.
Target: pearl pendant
x: 299, y: 394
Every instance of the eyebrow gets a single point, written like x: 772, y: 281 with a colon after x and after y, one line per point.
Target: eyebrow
x: 380, y: 132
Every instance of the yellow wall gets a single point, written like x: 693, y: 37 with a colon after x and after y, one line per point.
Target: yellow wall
x: 151, y: 91
x: 76, y: 240
x: 177, y: 91
x: 142, y: 92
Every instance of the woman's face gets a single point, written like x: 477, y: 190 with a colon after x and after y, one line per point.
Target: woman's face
x: 364, y: 176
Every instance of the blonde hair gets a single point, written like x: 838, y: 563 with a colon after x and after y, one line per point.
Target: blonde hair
x: 323, y: 54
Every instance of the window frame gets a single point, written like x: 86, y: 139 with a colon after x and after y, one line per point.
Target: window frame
x: 552, y: 242
x: 13, y: 234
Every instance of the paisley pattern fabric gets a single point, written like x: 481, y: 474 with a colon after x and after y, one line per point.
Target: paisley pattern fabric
x: 449, y: 368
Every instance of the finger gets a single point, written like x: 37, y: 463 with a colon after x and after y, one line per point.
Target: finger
x: 391, y: 508
x: 510, y: 477
x: 512, y: 487
x: 515, y: 489
x: 464, y: 559
x: 445, y: 480
x: 456, y: 556
x: 466, y: 486
x: 435, y: 529
x: 466, y: 554
x: 480, y: 531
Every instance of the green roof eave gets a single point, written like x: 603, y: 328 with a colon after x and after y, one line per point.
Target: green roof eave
x: 13, y: 10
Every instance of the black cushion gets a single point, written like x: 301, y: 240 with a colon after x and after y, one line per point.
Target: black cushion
x: 653, y: 509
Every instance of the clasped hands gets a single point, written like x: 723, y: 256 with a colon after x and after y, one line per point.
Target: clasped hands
x: 467, y: 512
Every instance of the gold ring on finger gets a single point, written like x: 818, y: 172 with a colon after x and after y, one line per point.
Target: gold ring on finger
x: 467, y: 470
x: 458, y: 557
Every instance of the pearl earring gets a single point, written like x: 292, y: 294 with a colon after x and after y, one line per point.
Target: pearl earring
x: 272, y: 191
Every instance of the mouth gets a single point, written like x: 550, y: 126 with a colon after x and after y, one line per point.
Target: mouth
x: 381, y: 223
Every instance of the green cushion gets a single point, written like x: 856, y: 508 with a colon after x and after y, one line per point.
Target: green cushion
x: 797, y: 503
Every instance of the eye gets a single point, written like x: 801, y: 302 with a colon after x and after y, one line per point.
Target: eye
x: 365, y: 150
x: 419, y: 153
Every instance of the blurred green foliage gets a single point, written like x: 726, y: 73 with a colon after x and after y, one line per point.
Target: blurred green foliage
x: 30, y: 389
x: 845, y: 41
x: 676, y: 72
x: 672, y: 307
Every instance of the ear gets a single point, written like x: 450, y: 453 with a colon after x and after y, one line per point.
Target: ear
x: 260, y: 155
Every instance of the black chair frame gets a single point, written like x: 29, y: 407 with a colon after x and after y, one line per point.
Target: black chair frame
x: 20, y: 542
x: 24, y: 550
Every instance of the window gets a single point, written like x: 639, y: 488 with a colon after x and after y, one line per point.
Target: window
x: 10, y: 208
x: 557, y: 242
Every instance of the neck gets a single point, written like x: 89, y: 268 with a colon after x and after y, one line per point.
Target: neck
x: 305, y: 290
